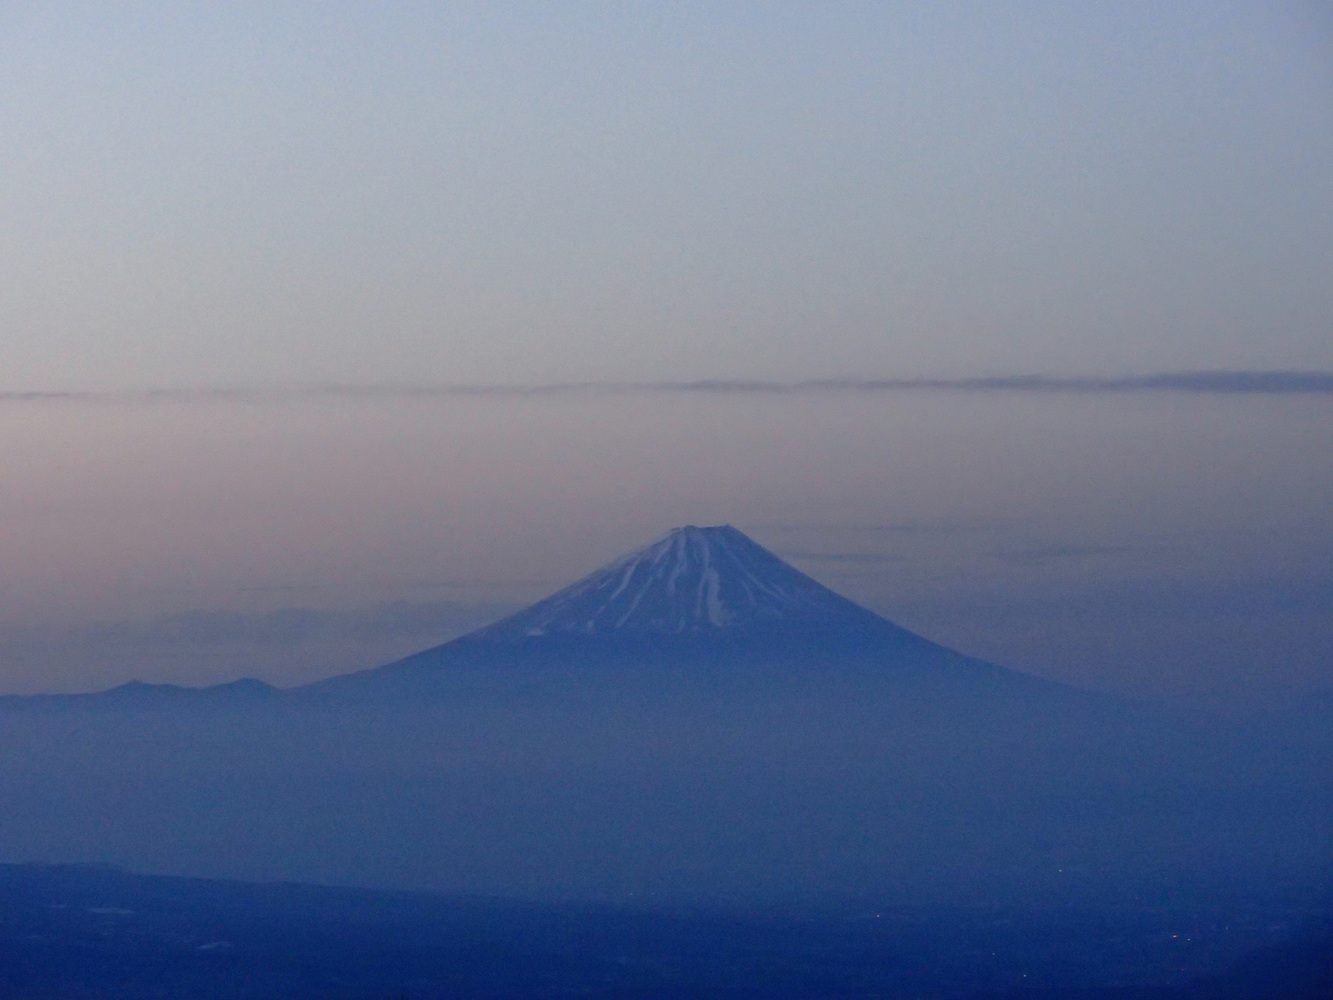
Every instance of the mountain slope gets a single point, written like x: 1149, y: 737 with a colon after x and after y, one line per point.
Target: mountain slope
x: 694, y: 580
x: 705, y: 601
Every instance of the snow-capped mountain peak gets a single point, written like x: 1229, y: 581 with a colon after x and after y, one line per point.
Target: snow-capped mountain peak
x: 693, y: 580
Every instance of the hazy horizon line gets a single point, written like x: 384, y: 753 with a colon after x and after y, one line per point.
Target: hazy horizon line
x: 1214, y: 382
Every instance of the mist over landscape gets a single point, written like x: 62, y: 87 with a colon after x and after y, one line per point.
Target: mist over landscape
x: 706, y: 499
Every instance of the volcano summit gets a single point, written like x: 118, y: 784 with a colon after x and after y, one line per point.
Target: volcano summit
x: 694, y: 580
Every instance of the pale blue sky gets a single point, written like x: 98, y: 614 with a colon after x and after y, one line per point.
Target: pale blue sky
x: 204, y: 192
x: 271, y: 195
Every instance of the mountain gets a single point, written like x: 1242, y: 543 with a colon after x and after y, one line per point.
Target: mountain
x: 700, y: 601
x: 698, y: 721
x: 692, y: 581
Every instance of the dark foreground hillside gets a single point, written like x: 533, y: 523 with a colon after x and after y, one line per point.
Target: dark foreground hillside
x: 82, y: 932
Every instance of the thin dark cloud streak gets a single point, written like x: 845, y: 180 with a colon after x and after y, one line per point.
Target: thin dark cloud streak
x: 1078, y: 552
x: 1252, y: 383
x: 867, y: 558
x: 895, y: 528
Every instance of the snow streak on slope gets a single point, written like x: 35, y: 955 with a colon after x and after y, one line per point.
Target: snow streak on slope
x: 693, y: 580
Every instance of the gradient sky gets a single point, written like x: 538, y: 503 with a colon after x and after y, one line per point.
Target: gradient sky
x: 272, y: 199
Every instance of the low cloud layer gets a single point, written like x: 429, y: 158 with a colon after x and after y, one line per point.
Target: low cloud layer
x: 208, y: 646
x: 293, y: 626
x: 1269, y: 383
